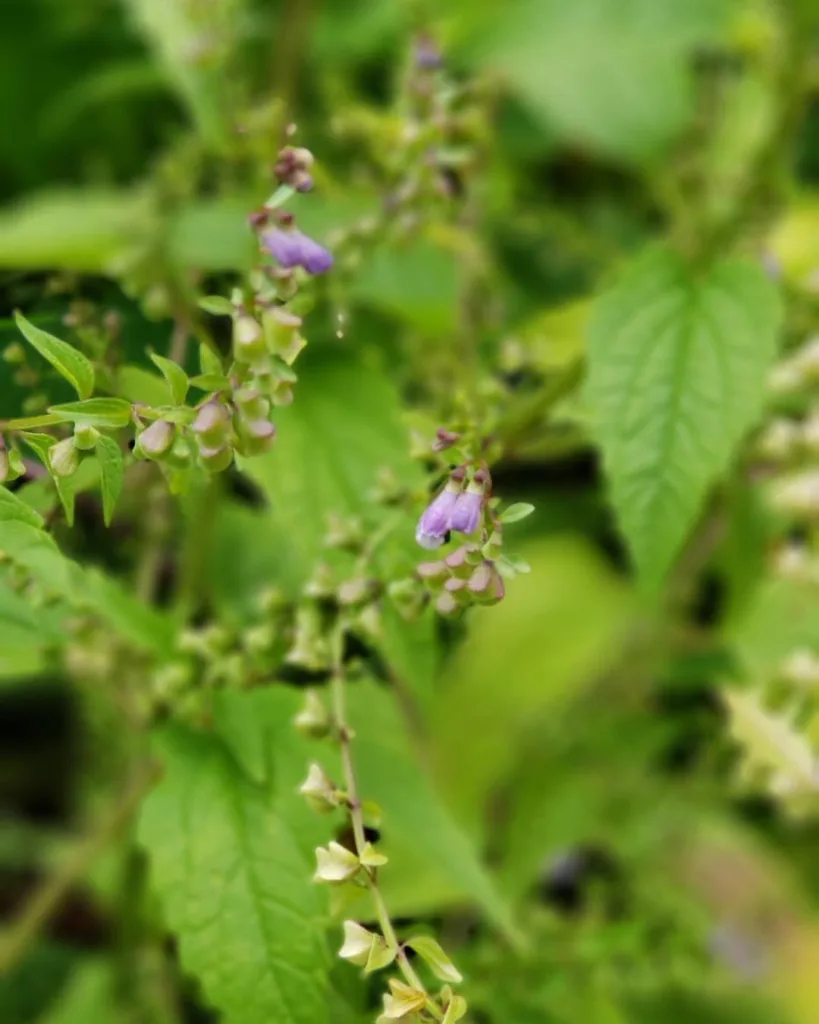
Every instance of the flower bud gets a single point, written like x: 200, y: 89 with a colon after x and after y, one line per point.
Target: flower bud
x: 402, y: 1001
x: 251, y: 403
x: 432, y: 572
x: 248, y: 339
x: 313, y: 719
x: 212, y: 424
x: 779, y: 440
x: 85, y: 437
x: 281, y: 329
x: 335, y: 863
x: 216, y: 459
x: 445, y: 439
x: 357, y: 943
x: 63, y: 458
x: 355, y: 591
x: 319, y: 791
x: 463, y: 559
x: 447, y: 604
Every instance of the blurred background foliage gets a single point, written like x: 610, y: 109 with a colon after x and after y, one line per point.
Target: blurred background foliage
x: 559, y: 788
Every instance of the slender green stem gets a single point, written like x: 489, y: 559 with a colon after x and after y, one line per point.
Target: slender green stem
x: 338, y: 686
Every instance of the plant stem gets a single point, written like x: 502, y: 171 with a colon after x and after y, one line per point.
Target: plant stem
x: 36, y: 913
x: 357, y: 822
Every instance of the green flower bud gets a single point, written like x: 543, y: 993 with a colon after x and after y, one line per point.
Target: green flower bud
x: 281, y: 330
x: 447, y: 604
x: 313, y: 719
x: 248, y: 340
x: 432, y: 573
x: 357, y: 943
x: 319, y: 791
x: 85, y: 437
x: 217, y: 459
x: 63, y: 458
x: 335, y: 864
x: 155, y: 440
x: 212, y: 424
x: 402, y: 1001
x: 251, y: 403
x: 355, y: 591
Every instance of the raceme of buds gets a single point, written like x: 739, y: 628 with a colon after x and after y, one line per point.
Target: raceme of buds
x: 292, y: 168
x: 313, y: 720
x: 292, y: 248
x: 433, y: 525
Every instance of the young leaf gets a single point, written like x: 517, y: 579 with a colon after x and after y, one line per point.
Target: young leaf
x: 514, y: 514
x: 677, y: 369
x: 112, y: 474
x: 209, y: 362
x: 95, y: 412
x: 66, y: 360
x: 175, y: 376
x: 210, y: 382
x: 432, y: 954
x: 41, y: 445
x: 234, y: 882
x: 217, y: 305
x: 11, y: 507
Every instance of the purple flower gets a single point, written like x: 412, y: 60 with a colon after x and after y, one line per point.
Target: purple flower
x: 434, y: 523
x: 427, y: 55
x: 292, y: 248
x: 466, y: 515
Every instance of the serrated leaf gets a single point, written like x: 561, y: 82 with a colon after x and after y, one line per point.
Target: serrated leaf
x: 95, y: 412
x: 217, y: 305
x: 66, y: 360
x: 434, y: 956
x: 514, y: 513
x: 175, y: 376
x: 12, y: 507
x: 677, y: 368
x: 234, y: 881
x: 112, y: 474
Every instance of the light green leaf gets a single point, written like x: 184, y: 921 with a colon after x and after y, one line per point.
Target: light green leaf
x: 432, y: 954
x: 90, y: 996
x: 582, y: 66
x: 677, y: 368
x: 216, y: 305
x: 514, y: 513
x: 523, y: 658
x: 112, y: 474
x: 65, y: 486
x: 96, y: 412
x: 86, y: 588
x: 782, y: 618
x: 19, y: 618
x: 234, y: 882
x: 136, y: 384
x: 66, y: 360
x: 210, y: 382
x: 416, y: 821
x: 209, y: 362
x: 80, y: 231
x: 175, y: 376
x: 12, y: 507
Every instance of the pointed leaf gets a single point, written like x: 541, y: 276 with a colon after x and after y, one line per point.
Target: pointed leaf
x: 677, y: 368
x: 175, y: 376
x: 216, y: 305
x: 95, y: 412
x: 229, y: 867
x: 12, y: 507
x: 433, y: 955
x: 520, y: 510
x: 66, y: 360
x: 41, y: 444
x: 112, y: 474
x: 209, y: 362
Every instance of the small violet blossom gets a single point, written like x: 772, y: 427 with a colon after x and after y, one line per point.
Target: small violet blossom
x: 292, y: 248
x: 434, y: 523
x: 466, y: 514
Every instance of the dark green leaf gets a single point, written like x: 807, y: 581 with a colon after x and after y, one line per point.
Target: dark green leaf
x: 112, y: 474
x: 677, y: 368
x: 66, y: 360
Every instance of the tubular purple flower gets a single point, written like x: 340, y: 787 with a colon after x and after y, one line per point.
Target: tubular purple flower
x: 434, y: 523
x: 466, y: 515
x: 292, y: 248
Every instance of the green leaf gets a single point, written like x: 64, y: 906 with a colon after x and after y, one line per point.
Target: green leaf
x: 89, y: 996
x: 677, y: 368
x: 175, y: 376
x: 80, y: 230
x: 234, y: 880
x: 210, y: 382
x: 782, y: 617
x: 66, y: 491
x: 216, y: 305
x: 432, y: 954
x: 209, y: 362
x: 18, y: 618
x: 66, y: 360
x: 416, y: 822
x: 582, y: 66
x: 12, y: 507
x: 514, y: 513
x: 87, y: 588
x: 96, y: 412
x: 112, y: 474
x: 522, y: 659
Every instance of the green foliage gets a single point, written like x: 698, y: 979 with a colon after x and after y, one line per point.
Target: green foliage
x: 65, y: 359
x: 112, y: 474
x: 678, y: 360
